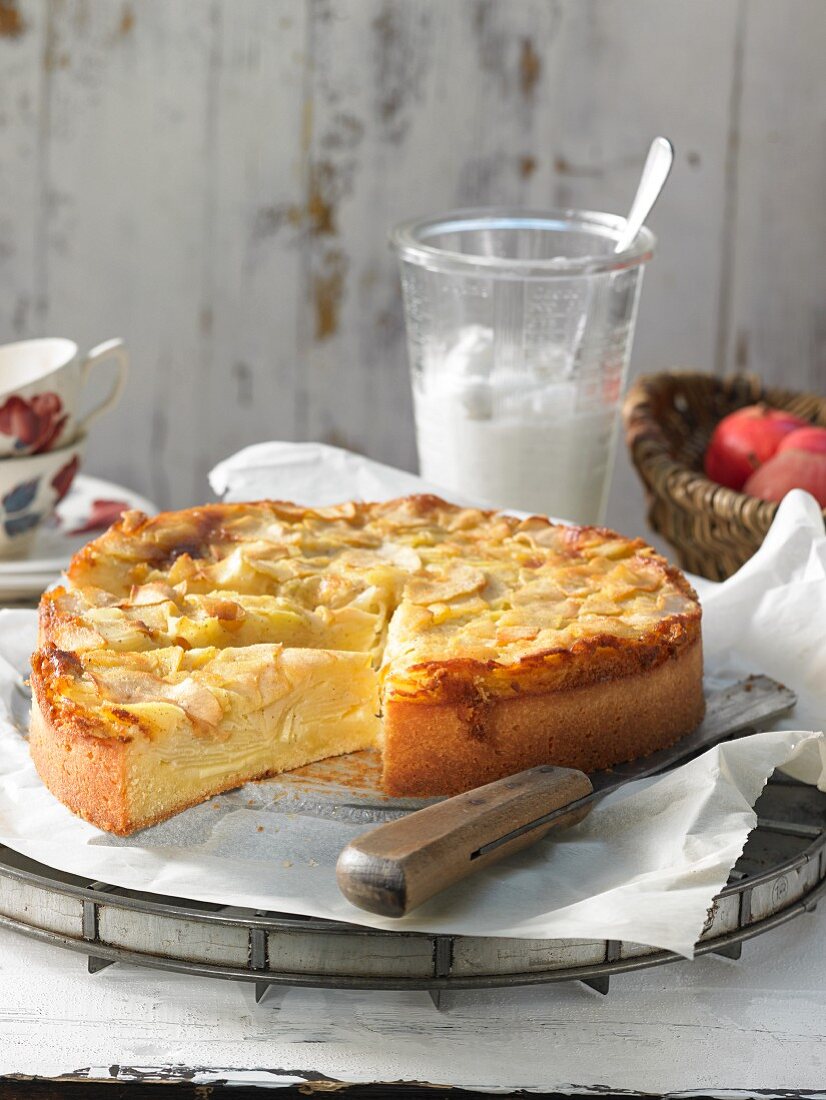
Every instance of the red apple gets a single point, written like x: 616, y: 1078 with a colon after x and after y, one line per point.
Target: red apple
x: 744, y: 440
x: 790, y: 470
x: 809, y: 439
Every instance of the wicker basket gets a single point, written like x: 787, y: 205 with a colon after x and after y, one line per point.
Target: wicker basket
x: 669, y: 419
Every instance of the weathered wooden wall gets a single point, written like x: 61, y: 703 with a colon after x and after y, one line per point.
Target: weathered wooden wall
x: 213, y: 180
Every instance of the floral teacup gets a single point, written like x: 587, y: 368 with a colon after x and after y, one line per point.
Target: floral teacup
x: 30, y: 489
x: 40, y: 387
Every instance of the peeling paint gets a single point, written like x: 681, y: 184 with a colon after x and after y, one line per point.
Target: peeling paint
x: 493, y: 42
x: 176, y: 1072
x: 323, y: 11
x: 480, y: 179
x: 54, y: 57
x: 54, y: 60
x: 513, y: 60
x: 322, y: 197
x: 327, y: 184
x: 527, y: 165
x: 328, y: 292
x: 269, y: 220
x: 127, y: 21
x: 402, y: 52
x: 345, y: 132
x: 12, y: 24
x: 564, y: 167
x: 244, y: 380
x: 389, y: 324
x: 530, y: 69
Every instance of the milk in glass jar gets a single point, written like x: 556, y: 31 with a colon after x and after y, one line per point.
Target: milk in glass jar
x: 519, y: 332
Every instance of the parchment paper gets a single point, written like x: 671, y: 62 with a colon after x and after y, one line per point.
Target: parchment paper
x: 645, y: 865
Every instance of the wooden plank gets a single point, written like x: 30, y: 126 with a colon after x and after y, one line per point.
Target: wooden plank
x: 124, y: 215
x: 249, y: 381
x: 158, y: 223
x: 777, y: 321
x: 631, y: 71
x: 22, y: 42
x: 702, y: 1027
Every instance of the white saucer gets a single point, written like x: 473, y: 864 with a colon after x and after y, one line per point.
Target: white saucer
x: 59, y: 538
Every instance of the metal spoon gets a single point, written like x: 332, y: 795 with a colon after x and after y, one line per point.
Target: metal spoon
x: 654, y: 174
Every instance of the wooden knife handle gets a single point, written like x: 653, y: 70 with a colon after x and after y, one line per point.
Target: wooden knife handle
x: 395, y: 867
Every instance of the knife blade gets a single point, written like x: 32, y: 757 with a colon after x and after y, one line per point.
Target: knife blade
x: 394, y: 868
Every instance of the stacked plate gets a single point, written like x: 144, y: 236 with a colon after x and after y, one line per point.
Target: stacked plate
x: 91, y: 505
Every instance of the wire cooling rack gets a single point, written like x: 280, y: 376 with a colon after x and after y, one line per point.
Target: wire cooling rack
x: 780, y: 875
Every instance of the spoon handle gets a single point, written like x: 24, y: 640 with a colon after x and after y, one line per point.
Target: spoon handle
x: 654, y: 174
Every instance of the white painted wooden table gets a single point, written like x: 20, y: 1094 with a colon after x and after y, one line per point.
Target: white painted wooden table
x: 711, y: 1026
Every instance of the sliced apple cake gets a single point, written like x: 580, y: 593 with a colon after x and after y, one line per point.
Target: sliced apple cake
x: 193, y: 651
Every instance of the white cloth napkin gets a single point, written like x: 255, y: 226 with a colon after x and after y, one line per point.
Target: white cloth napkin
x: 643, y: 867
x: 313, y: 473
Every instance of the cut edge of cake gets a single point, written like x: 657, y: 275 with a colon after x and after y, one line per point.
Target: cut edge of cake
x: 123, y: 771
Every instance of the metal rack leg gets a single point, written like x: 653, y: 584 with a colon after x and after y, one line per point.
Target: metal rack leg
x: 90, y: 927
x: 600, y: 984
x: 95, y: 964
x: 729, y: 951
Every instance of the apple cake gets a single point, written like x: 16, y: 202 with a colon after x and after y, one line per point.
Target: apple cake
x: 193, y: 651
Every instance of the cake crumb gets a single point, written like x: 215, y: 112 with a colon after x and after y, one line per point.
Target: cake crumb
x: 313, y: 863
x: 287, y: 863
x: 259, y: 828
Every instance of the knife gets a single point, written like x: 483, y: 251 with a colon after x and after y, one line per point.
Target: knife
x: 395, y: 867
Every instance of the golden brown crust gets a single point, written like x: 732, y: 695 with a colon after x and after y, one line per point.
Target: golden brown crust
x: 447, y: 748
x: 53, y: 670
x: 87, y: 773
x: 590, y: 660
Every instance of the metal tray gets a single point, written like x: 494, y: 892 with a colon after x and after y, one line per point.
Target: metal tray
x: 781, y: 874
